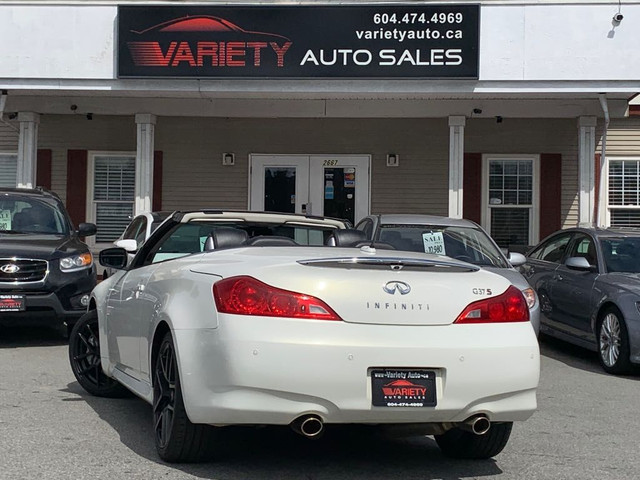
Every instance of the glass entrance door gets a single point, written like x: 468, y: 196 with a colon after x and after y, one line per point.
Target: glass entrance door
x: 329, y: 185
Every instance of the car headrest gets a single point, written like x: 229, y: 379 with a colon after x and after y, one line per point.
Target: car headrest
x: 271, y: 241
x: 347, y: 237
x: 225, y: 237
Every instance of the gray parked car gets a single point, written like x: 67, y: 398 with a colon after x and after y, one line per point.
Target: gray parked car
x: 588, y: 283
x: 456, y: 238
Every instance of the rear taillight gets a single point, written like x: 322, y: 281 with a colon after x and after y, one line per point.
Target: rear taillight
x: 245, y: 295
x: 508, y: 307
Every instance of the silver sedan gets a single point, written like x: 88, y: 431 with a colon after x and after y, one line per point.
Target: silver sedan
x: 589, y: 288
x: 456, y: 238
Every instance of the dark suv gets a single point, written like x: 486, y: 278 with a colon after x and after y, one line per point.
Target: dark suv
x: 46, y: 271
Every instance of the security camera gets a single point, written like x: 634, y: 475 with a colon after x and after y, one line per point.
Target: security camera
x: 618, y: 17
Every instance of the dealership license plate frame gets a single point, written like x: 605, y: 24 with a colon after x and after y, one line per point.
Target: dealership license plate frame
x: 19, y: 303
x: 403, y: 387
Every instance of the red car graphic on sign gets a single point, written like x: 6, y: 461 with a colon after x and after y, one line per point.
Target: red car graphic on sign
x: 403, y: 388
x: 205, y: 41
x: 204, y: 23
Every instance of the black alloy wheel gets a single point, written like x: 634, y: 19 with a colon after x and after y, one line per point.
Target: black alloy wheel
x: 84, y: 356
x: 176, y: 438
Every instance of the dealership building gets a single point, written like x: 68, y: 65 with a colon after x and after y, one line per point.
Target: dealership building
x: 519, y: 115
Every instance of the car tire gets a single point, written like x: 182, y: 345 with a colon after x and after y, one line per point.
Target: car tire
x: 84, y: 356
x: 176, y: 438
x: 613, y: 342
x: 458, y: 443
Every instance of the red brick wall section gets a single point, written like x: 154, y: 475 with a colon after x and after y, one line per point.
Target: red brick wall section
x: 472, y: 185
x: 550, y: 193
x: 43, y: 169
x: 157, y: 181
x: 77, y: 185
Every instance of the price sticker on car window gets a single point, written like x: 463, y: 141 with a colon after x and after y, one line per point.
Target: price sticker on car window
x: 433, y: 243
x: 5, y: 219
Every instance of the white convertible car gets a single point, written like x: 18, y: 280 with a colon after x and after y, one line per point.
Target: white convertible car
x: 247, y: 318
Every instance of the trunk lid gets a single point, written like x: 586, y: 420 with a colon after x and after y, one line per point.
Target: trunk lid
x: 416, y: 289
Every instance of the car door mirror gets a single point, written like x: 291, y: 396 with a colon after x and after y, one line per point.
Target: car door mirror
x: 87, y: 229
x: 129, y: 244
x: 517, y: 259
x: 578, y: 263
x: 114, y: 258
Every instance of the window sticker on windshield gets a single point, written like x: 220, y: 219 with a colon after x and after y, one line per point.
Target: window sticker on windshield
x: 433, y: 243
x: 5, y: 219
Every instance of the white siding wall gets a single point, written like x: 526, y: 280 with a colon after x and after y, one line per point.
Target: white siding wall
x: 623, y: 136
x: 68, y: 132
x: 419, y: 184
x: 8, y: 138
x: 193, y: 175
x: 533, y: 136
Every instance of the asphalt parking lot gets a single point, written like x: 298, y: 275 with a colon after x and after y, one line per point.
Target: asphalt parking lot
x: 587, y: 426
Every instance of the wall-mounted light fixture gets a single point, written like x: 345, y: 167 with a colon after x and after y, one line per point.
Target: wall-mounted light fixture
x: 393, y: 160
x: 228, y: 159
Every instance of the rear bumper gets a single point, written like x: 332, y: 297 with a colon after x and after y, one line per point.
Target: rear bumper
x: 270, y: 371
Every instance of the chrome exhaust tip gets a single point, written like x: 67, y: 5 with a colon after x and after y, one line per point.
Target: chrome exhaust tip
x: 479, y: 425
x: 310, y: 426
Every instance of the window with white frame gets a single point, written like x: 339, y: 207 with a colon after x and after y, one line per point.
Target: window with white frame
x: 8, y: 169
x: 511, y: 199
x: 623, y: 195
x: 112, y: 193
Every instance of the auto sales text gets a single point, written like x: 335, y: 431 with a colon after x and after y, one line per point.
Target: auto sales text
x: 386, y: 57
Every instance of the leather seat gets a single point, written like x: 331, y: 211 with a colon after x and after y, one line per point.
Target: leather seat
x: 226, y: 237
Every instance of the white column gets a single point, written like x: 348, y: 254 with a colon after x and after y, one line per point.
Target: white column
x: 586, y: 169
x: 27, y: 149
x: 456, y: 164
x: 144, y: 162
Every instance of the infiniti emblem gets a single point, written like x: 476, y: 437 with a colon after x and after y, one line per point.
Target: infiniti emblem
x: 396, y: 286
x: 10, y: 268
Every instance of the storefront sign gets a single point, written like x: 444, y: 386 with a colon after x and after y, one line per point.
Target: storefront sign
x: 432, y: 41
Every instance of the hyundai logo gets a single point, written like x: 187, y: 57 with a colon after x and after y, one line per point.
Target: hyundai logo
x: 396, y: 286
x: 9, y: 268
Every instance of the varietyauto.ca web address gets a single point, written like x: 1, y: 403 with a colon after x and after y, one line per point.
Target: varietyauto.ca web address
x: 402, y: 35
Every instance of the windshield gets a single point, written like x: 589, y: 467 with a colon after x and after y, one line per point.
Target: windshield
x: 463, y: 243
x: 621, y: 254
x: 28, y: 215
